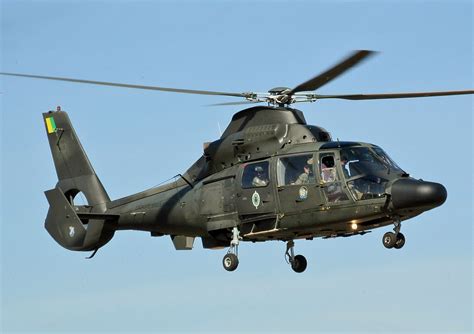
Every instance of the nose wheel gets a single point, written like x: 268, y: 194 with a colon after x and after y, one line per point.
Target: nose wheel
x: 231, y: 259
x: 297, y: 262
x: 394, y: 240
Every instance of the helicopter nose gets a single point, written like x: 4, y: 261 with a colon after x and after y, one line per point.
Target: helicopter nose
x: 410, y: 193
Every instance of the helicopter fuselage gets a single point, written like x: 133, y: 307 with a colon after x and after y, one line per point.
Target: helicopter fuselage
x: 269, y: 177
x: 334, y: 198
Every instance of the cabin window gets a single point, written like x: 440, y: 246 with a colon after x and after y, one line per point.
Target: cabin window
x: 255, y: 175
x: 295, y: 170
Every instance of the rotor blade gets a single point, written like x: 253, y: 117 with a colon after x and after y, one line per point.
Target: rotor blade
x: 233, y: 103
x: 332, y: 73
x: 392, y: 95
x: 164, y: 89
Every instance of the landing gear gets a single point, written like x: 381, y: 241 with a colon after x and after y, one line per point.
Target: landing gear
x: 394, y: 240
x: 389, y: 239
x: 400, y: 241
x: 298, y: 262
x: 231, y: 260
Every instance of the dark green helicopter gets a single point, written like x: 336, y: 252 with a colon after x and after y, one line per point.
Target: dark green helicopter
x: 270, y: 176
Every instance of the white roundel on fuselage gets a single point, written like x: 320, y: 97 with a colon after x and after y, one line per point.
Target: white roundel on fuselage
x: 256, y: 199
x: 303, y: 192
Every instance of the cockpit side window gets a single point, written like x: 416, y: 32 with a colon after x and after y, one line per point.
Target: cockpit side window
x: 331, y: 184
x: 255, y: 175
x: 295, y: 170
x: 327, y: 168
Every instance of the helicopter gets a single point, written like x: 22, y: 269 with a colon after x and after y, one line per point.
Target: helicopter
x: 269, y: 177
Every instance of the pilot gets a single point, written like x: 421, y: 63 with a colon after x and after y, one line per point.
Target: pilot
x: 260, y: 179
x: 345, y: 166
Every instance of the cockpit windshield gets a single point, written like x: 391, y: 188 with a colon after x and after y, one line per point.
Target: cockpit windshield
x: 387, y: 160
x: 367, y: 169
x: 369, y: 161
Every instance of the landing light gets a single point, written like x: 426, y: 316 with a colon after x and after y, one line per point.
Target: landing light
x: 354, y: 225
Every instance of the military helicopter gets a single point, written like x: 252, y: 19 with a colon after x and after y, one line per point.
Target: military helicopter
x: 270, y: 176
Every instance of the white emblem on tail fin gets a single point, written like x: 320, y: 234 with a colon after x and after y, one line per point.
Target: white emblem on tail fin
x: 71, y: 231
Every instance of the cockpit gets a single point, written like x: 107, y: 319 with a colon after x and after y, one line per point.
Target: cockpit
x: 360, y: 171
x: 367, y: 169
x: 340, y: 172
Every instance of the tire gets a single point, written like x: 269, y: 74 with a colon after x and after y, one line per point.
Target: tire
x: 230, y: 262
x: 299, y: 264
x: 400, y: 242
x: 389, y: 239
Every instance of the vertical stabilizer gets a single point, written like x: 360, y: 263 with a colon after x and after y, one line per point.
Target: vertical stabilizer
x: 74, y: 170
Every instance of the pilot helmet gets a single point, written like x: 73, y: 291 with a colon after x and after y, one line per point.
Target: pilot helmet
x: 259, y: 169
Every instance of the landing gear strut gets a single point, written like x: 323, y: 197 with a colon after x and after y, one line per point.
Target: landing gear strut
x: 298, y: 262
x: 394, y: 240
x: 231, y: 260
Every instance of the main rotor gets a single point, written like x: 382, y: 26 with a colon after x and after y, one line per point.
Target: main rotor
x: 279, y: 96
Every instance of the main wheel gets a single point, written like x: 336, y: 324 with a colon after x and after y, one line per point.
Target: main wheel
x: 299, y: 264
x: 400, y: 242
x: 230, y: 262
x: 389, y: 239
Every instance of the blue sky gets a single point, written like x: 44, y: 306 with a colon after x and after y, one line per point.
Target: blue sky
x: 137, y: 139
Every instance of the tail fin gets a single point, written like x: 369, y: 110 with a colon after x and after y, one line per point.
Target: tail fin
x: 68, y: 224
x: 75, y: 172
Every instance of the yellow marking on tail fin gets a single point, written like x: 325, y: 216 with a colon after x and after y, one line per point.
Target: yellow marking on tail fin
x: 50, y: 124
